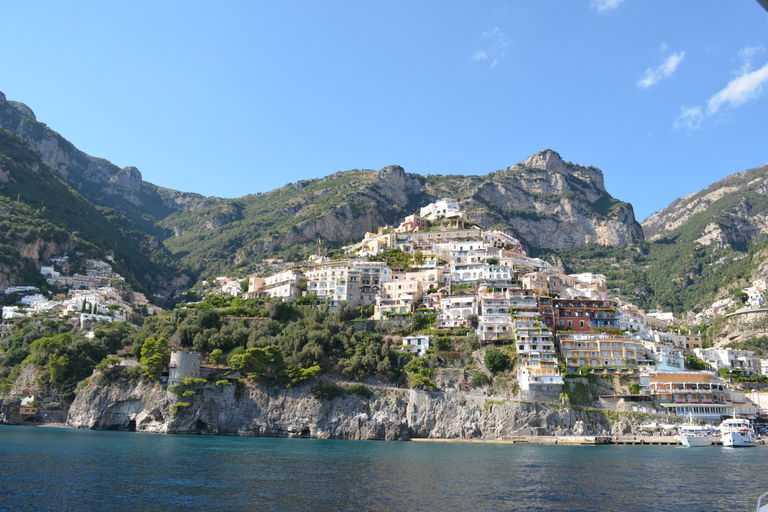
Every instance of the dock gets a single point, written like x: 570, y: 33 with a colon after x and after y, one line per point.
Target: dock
x: 572, y: 440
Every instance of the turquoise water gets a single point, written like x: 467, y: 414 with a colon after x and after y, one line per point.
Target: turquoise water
x: 60, y: 469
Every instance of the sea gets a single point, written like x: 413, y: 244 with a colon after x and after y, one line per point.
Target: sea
x: 56, y: 469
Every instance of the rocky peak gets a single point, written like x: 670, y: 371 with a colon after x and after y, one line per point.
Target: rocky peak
x: 2, y: 96
x: 393, y: 184
x: 546, y: 160
x: 128, y: 177
x: 22, y: 109
x: 390, y: 172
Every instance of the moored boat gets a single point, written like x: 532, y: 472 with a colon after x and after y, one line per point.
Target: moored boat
x: 694, y: 435
x: 737, y: 432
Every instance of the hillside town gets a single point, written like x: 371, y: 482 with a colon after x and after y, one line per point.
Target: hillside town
x: 467, y: 280
x: 482, y: 281
x: 98, y: 295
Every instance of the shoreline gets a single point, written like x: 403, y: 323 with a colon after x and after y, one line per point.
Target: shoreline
x: 633, y: 440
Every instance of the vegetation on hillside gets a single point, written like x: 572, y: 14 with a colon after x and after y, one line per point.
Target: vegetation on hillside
x: 674, y: 273
x: 39, y: 207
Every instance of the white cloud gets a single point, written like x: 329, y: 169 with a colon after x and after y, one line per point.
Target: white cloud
x: 748, y: 52
x: 746, y: 87
x: 605, y: 5
x: 497, y: 38
x: 690, y: 119
x: 741, y: 89
x: 665, y: 70
x: 494, y: 43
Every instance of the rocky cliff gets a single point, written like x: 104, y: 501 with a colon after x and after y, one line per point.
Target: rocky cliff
x: 729, y: 213
x: 390, y: 414
x: 97, y: 179
x: 546, y: 202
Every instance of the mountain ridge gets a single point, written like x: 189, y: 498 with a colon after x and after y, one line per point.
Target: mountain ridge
x: 556, y: 208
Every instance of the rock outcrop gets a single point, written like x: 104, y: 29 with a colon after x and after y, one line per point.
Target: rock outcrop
x: 734, y: 208
x: 255, y: 410
x: 97, y: 179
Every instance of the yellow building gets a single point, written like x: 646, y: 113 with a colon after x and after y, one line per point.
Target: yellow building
x: 599, y: 351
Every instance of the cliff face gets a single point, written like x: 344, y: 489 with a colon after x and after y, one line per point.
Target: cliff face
x: 97, y: 179
x: 391, y: 414
x: 729, y: 213
x: 544, y: 201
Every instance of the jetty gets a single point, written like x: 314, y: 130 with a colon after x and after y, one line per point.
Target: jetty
x: 572, y: 440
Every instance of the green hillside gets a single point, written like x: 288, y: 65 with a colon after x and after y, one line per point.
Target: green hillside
x: 677, y: 271
x: 40, y: 210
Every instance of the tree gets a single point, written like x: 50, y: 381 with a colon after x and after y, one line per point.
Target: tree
x: 244, y: 285
x: 418, y: 257
x: 216, y: 357
x: 344, y: 312
x: 279, y: 310
x: 57, y: 367
x: 154, y: 353
x: 495, y: 360
x: 473, y: 321
x: 209, y: 320
x: 263, y: 363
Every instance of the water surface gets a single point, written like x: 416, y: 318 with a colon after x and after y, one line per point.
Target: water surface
x: 61, y: 469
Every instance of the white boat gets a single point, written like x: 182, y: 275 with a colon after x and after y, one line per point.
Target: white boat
x: 694, y: 435
x: 737, y: 432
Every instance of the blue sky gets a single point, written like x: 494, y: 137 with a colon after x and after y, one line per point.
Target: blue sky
x: 243, y: 97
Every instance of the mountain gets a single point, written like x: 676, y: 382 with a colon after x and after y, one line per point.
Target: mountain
x: 42, y: 217
x: 699, y: 247
x: 730, y: 213
x: 98, y: 180
x: 544, y: 201
x: 703, y: 246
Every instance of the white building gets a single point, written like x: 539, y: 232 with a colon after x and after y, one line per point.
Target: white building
x: 731, y: 359
x: 501, y: 240
x: 756, y: 295
x: 455, y: 309
x: 495, y: 321
x: 537, y: 369
x: 49, y: 271
x: 21, y: 289
x: 357, y: 282
x: 662, y: 315
x: 630, y: 320
x: 10, y: 312
x: 444, y: 208
x: 418, y: 345
x: 588, y: 281
x: 667, y: 357
x: 284, y: 284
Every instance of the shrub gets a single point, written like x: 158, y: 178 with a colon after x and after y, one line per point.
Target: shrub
x: 421, y: 381
x: 328, y: 392
x: 180, y: 407
x: 359, y: 389
x: 495, y: 360
x: 132, y: 373
x: 479, y: 379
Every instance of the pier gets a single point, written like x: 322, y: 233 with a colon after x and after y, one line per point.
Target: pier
x: 574, y: 440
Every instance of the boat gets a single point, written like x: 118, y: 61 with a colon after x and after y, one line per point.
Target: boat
x: 694, y: 435
x: 737, y: 432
